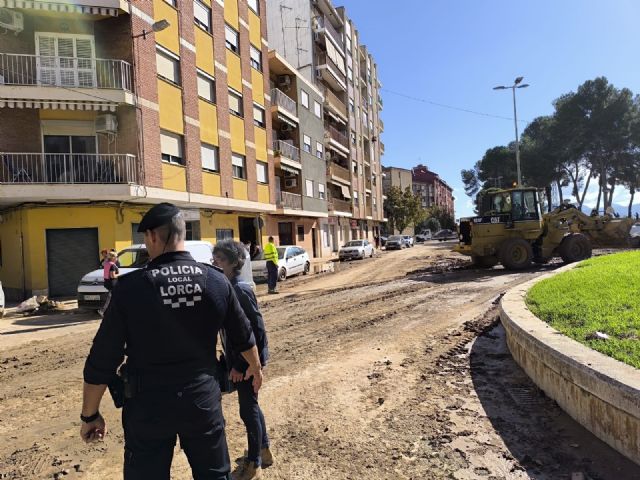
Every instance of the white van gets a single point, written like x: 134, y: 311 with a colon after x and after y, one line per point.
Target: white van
x: 91, y: 291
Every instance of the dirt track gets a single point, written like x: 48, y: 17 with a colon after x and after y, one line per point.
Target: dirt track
x: 392, y: 368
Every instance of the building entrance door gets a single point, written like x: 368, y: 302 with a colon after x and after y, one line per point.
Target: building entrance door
x: 285, y: 232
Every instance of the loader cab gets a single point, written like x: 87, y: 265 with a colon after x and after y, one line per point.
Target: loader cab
x: 513, y: 205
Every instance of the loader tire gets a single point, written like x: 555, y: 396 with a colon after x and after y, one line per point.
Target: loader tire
x: 486, y: 261
x: 516, y: 254
x: 575, y: 247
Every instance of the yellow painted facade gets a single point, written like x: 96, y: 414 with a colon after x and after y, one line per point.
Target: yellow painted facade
x: 170, y: 100
x: 257, y: 85
x: 204, y: 52
x: 255, y: 33
x: 234, y: 72
x: 260, y: 139
x: 240, y: 189
x: 208, y: 115
x: 168, y: 38
x: 67, y: 115
x: 211, y: 184
x: 263, y: 194
x: 209, y: 223
x: 237, y: 135
x: 231, y: 15
x: 174, y: 177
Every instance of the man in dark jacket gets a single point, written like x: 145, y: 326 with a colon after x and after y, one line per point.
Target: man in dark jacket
x: 165, y: 319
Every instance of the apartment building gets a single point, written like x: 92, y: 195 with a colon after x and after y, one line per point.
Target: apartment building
x: 300, y: 169
x: 432, y: 189
x: 401, y: 178
x: 108, y: 107
x: 323, y: 45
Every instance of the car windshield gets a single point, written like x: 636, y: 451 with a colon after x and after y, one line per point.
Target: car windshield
x: 133, y: 258
x: 354, y: 243
x: 395, y: 238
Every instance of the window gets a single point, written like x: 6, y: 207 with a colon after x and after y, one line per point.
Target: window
x: 350, y: 73
x: 235, y: 103
x: 355, y: 198
x: 301, y: 233
x: 306, y: 139
x: 353, y: 137
x: 206, y: 87
x: 352, y: 105
x: 171, y: 147
x: 321, y: 192
x: 171, y: 2
x: 209, y: 155
x: 354, y: 166
x: 192, y: 230
x: 254, y: 5
x: 238, y: 166
x: 317, y: 110
x: 258, y: 116
x: 373, y: 200
x: 231, y: 39
x: 261, y: 170
x: 202, y: 15
x: 168, y: 65
x: 256, y: 58
x: 304, y: 99
x: 309, y: 189
x: 224, y: 234
x: 319, y: 149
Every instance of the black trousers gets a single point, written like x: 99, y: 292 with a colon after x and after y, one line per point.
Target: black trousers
x: 253, y: 420
x: 272, y: 275
x: 190, y: 411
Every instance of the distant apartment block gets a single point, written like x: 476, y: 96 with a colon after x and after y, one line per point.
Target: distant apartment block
x: 432, y: 190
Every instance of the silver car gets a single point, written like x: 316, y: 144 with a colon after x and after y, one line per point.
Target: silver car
x: 356, y: 249
x: 395, y: 242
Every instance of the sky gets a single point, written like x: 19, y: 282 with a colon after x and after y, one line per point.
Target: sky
x: 454, y: 52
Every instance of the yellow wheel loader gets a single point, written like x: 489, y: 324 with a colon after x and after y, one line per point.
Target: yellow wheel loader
x: 513, y: 231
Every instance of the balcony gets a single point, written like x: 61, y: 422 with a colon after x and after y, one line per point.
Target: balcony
x: 63, y: 82
x: 381, y: 125
x: 291, y: 201
x: 336, y: 135
x: 325, y: 26
x: 286, y: 153
x: 339, y: 173
x: 381, y: 148
x: 284, y: 105
x: 333, y: 103
x: 380, y: 103
x: 62, y: 168
x: 110, y: 8
x: 368, y: 211
x: 331, y: 73
x: 336, y: 205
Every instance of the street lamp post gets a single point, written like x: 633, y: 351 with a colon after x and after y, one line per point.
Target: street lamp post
x: 516, y: 84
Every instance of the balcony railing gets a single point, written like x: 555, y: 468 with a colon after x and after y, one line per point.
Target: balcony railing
x: 329, y: 28
x: 285, y: 149
x: 381, y: 147
x: 339, y: 205
x: 278, y: 97
x: 68, y: 168
x: 381, y: 124
x: 324, y: 59
x: 337, y: 135
x: 332, y: 100
x: 290, y: 200
x: 339, y: 171
x: 64, y: 72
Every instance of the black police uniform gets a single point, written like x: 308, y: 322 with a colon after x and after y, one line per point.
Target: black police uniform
x: 165, y: 318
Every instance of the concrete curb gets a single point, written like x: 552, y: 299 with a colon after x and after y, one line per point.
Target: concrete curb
x: 600, y: 393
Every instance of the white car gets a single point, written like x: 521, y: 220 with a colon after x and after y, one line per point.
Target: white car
x: 1, y: 301
x: 292, y: 260
x: 409, y: 240
x: 91, y: 291
x: 356, y: 249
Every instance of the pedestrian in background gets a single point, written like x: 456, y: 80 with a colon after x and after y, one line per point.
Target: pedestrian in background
x: 110, y: 272
x: 104, y: 253
x: 167, y: 316
x: 271, y: 257
x: 230, y: 257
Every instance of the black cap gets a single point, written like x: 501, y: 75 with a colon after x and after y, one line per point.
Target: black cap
x: 157, y: 216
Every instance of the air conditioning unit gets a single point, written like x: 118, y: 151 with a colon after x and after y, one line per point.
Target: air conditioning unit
x: 291, y: 182
x: 107, y: 123
x: 284, y: 81
x: 10, y: 20
x: 285, y: 127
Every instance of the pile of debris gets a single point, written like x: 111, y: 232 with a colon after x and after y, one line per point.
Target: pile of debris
x: 37, y: 305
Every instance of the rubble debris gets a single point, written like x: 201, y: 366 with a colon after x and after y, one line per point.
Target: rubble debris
x: 597, y: 336
x: 38, y: 304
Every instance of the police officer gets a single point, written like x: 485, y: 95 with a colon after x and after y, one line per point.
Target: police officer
x: 165, y: 318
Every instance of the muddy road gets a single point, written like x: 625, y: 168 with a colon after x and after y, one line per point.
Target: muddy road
x: 392, y: 368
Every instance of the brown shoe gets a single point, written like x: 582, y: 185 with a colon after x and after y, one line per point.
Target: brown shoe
x: 267, y: 457
x: 247, y: 471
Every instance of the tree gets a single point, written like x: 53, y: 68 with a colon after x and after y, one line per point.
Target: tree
x: 402, y: 209
x: 441, y: 216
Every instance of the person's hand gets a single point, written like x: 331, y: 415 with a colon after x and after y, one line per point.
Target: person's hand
x: 93, y: 431
x: 254, y: 371
x: 235, y: 376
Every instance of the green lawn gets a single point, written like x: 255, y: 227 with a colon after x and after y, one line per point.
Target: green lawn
x: 601, y: 294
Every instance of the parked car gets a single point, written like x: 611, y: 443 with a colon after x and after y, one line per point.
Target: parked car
x: 356, y: 249
x: 91, y: 291
x: 424, y: 236
x: 445, y: 234
x: 396, y: 242
x: 1, y: 301
x: 383, y: 240
x: 408, y: 240
x: 292, y: 260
